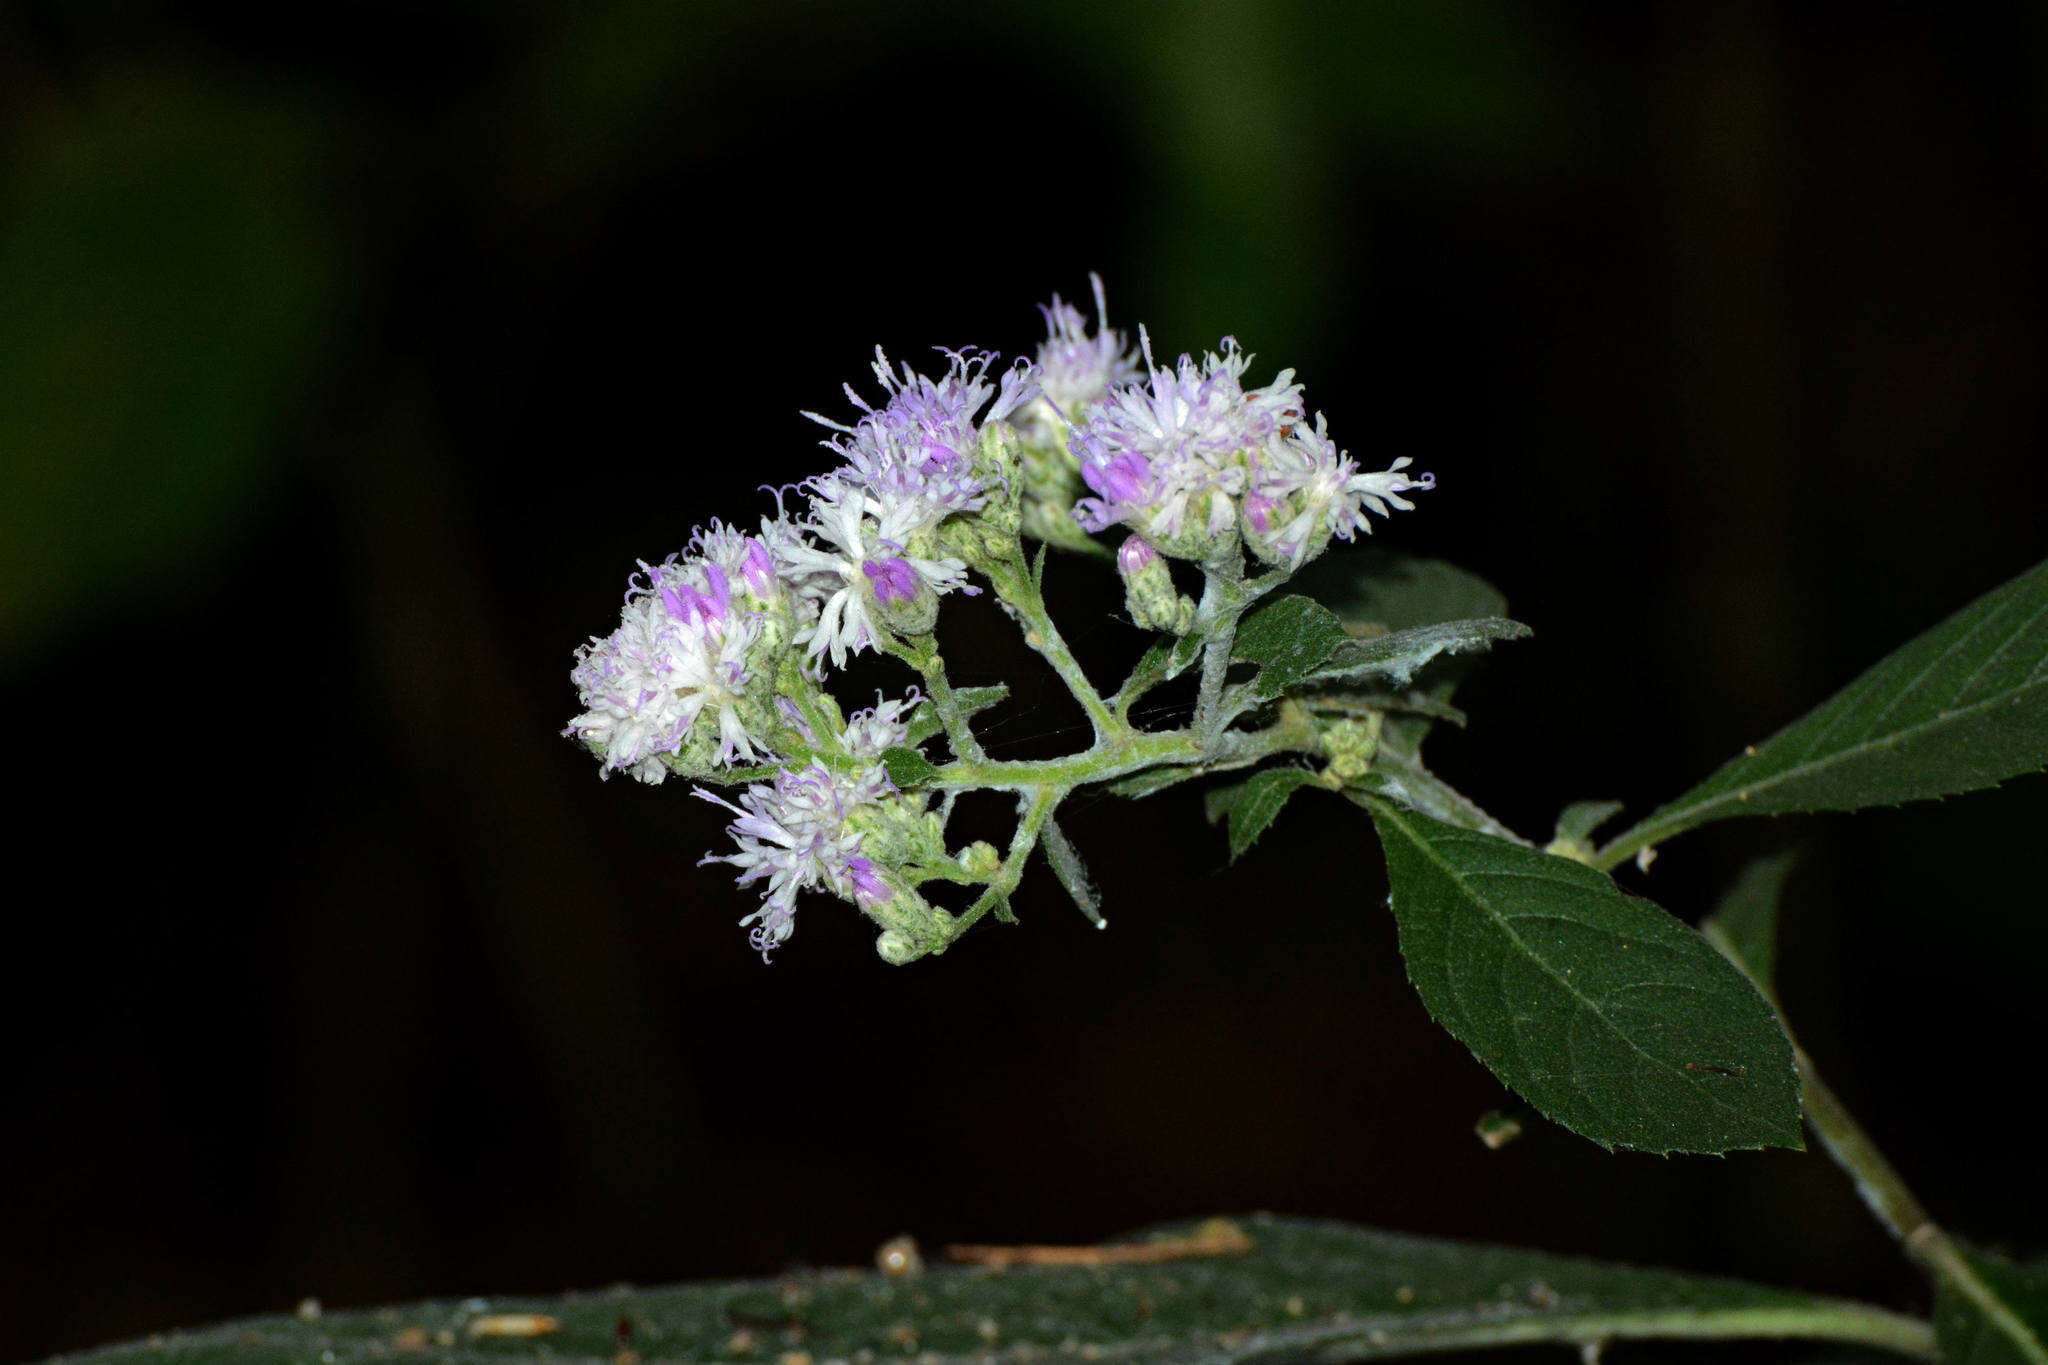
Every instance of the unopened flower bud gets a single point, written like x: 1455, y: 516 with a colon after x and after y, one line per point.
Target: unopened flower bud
x: 1001, y: 472
x: 900, y: 600
x: 1148, y: 589
x: 911, y: 927
x: 980, y: 860
x: 1351, y: 745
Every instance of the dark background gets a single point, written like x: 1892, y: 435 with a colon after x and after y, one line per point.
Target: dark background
x: 349, y: 358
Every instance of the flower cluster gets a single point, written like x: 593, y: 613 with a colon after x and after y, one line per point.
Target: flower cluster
x: 1195, y: 463
x: 799, y: 832
x: 721, y: 654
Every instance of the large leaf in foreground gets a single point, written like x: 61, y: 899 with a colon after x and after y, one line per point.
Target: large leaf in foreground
x: 1305, y: 1290
x: 1961, y: 707
x: 1600, y: 1009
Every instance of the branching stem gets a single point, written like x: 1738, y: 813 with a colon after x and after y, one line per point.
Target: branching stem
x: 1034, y: 808
x: 958, y: 733
x: 1019, y: 589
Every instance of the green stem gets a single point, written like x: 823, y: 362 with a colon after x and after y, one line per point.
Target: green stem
x: 1634, y: 840
x: 1018, y: 587
x: 1902, y: 1214
x: 1216, y: 621
x: 1033, y: 809
x: 958, y: 733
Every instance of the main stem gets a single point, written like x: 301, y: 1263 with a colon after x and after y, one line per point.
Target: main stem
x: 1216, y: 619
x: 1884, y: 1191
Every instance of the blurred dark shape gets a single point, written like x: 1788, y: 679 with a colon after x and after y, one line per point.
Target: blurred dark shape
x: 349, y: 359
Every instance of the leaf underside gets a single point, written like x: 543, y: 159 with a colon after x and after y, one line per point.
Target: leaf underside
x: 1963, y: 706
x: 1305, y: 1290
x: 1607, y: 1014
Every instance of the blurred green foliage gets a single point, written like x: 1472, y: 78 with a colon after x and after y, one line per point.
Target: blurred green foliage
x: 169, y: 267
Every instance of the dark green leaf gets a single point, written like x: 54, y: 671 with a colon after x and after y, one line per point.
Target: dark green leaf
x: 1151, y: 670
x: 1404, y: 780
x: 1383, y: 588
x: 1744, y: 925
x: 1251, y: 805
x: 1961, y: 707
x: 1601, y: 1010
x: 2011, y: 1331
x: 1371, y: 587
x: 1304, y: 1290
x: 1288, y: 637
x: 1397, y: 656
x: 925, y: 721
x: 908, y: 768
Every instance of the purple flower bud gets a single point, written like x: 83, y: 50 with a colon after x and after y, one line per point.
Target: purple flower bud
x: 758, y: 568
x: 869, y: 889
x: 1133, y: 555
x: 894, y: 580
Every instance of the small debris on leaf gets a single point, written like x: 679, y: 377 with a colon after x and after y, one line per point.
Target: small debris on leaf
x: 514, y: 1325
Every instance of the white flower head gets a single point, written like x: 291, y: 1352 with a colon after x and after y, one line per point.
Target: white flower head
x: 919, y: 447
x: 1304, y: 491
x: 850, y: 558
x: 1156, y: 450
x: 681, y: 652
x: 1074, y: 369
x: 793, y: 835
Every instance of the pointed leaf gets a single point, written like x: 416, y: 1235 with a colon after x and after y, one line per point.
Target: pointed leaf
x: 1576, y: 822
x: 1289, y: 636
x: 1253, y: 804
x: 2011, y: 1329
x: 908, y: 768
x: 1371, y: 587
x: 1744, y: 925
x: 1397, y: 656
x: 925, y: 721
x: 1396, y: 591
x: 1961, y: 707
x: 1600, y: 1009
x: 1270, y: 1289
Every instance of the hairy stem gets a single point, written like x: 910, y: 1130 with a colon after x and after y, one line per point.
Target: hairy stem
x: 1216, y: 621
x: 1018, y: 587
x: 1034, y: 808
x: 1903, y: 1216
x: 958, y: 734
